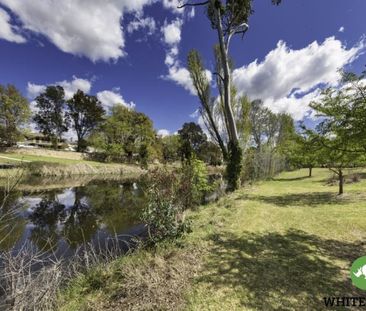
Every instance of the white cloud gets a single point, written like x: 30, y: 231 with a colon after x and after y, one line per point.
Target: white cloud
x: 7, y: 31
x: 108, y: 98
x: 176, y: 73
x: 34, y: 90
x: 90, y: 28
x: 172, y: 32
x: 70, y: 87
x: 286, y: 75
x: 192, y: 13
x: 112, y: 98
x: 181, y: 76
x: 173, y: 5
x: 298, y: 108
x: 163, y: 132
x: 142, y: 23
x: 341, y: 29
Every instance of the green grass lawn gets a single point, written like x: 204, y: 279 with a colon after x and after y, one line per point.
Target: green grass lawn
x: 282, y: 244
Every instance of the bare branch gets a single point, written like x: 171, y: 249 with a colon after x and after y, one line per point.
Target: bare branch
x: 219, y: 75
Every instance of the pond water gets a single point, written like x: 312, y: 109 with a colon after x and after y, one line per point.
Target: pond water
x: 59, y: 218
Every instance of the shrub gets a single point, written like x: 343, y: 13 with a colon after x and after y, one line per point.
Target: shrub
x: 194, y: 183
x: 164, y: 214
x: 169, y: 195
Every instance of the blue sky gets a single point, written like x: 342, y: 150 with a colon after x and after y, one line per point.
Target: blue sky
x: 118, y: 50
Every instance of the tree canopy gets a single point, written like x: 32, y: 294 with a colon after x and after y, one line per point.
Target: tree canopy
x: 50, y: 116
x: 125, y: 135
x: 341, y: 135
x: 14, y: 113
x: 192, y: 138
x: 85, y: 112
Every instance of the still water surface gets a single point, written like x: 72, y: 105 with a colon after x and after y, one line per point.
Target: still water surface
x: 59, y: 220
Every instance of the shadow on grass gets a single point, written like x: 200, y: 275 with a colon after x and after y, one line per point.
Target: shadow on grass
x: 299, y: 199
x: 362, y: 175
x: 291, y: 179
x: 291, y: 271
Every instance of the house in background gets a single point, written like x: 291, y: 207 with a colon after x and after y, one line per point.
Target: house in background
x: 38, y: 140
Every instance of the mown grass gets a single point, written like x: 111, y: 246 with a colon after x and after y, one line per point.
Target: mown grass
x: 37, y: 158
x: 282, y: 244
x: 49, y: 166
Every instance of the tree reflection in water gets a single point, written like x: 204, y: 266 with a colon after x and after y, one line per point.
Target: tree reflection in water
x: 76, y: 215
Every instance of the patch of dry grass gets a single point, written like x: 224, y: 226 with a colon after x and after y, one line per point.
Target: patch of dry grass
x: 48, y: 153
x: 141, y: 282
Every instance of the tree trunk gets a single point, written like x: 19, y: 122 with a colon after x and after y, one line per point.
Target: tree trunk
x: 80, y: 143
x: 270, y: 165
x: 217, y: 134
x: 310, y: 171
x: 341, y: 181
x: 234, y: 165
x: 233, y: 133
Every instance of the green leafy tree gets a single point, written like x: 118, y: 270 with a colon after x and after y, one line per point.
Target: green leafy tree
x: 124, y: 135
x: 85, y: 113
x: 340, y: 134
x: 303, y: 151
x: 228, y: 18
x: 50, y: 116
x: 192, y: 137
x: 14, y: 112
x: 210, y: 153
x: 270, y: 133
x: 194, y: 182
x: 171, y: 148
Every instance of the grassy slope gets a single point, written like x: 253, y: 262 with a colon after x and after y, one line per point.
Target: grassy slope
x: 37, y: 158
x: 279, y: 245
x: 57, y: 166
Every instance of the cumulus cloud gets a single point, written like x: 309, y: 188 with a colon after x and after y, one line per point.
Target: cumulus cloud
x: 70, y: 87
x: 163, y: 132
x: 7, y: 31
x: 34, y: 90
x: 341, y: 29
x: 172, y: 32
x: 181, y: 76
x: 287, y: 80
x: 108, y: 98
x: 112, y: 98
x: 81, y: 27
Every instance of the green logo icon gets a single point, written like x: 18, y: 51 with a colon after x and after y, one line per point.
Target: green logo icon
x: 358, y: 273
